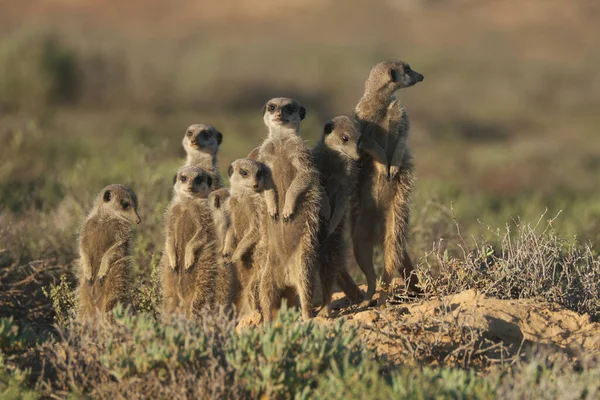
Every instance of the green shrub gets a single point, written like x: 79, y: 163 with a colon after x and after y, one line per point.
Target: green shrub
x: 64, y: 300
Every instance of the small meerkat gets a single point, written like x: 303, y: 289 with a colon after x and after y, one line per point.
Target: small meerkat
x: 104, y: 250
x: 381, y: 212
x: 252, y: 194
x: 217, y: 201
x: 201, y: 143
x: 189, y: 264
x: 291, y: 241
x: 336, y: 156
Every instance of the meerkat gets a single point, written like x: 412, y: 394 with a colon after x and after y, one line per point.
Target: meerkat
x: 189, y: 264
x: 292, y: 235
x: 218, y: 201
x: 252, y: 194
x: 104, y: 249
x: 381, y: 212
x: 336, y: 157
x: 201, y: 143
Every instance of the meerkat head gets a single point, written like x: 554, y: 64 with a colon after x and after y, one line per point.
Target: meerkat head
x: 283, y: 114
x: 246, y: 176
x: 390, y: 76
x: 217, y: 198
x: 201, y: 138
x: 119, y: 201
x: 342, y: 134
x: 192, y: 182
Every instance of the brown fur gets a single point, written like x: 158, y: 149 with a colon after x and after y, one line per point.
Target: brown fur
x: 104, y: 248
x: 218, y: 201
x: 201, y: 143
x: 189, y: 265
x: 381, y: 212
x: 336, y: 156
x: 292, y: 240
x: 251, y: 191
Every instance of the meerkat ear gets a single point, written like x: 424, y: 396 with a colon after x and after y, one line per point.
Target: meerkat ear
x: 107, y: 196
x: 328, y: 127
x: 393, y: 74
x: 230, y: 170
x: 209, y: 181
x: 174, y: 178
x: 302, y: 112
x: 219, y: 138
x: 217, y: 201
x: 264, y: 109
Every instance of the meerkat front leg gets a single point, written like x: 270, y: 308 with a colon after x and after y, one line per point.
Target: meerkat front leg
x: 398, y: 155
x: 325, y: 210
x: 339, y: 210
x: 110, y: 256
x: 246, y: 243
x: 373, y: 149
x: 86, y: 266
x: 229, y: 244
x: 192, y: 248
x: 270, y: 195
x: 170, y: 252
x: 298, y: 186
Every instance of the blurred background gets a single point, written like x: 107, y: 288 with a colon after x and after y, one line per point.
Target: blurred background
x: 504, y: 126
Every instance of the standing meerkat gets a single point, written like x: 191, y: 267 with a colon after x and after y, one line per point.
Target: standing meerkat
x: 381, y: 212
x: 104, y: 249
x: 292, y: 235
x: 189, y: 264
x: 201, y: 143
x: 251, y: 194
x: 218, y: 201
x: 336, y: 156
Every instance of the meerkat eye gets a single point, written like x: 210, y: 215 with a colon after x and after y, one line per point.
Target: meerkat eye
x: 259, y: 175
x: 289, y: 109
x: 406, y: 69
x: 183, y: 178
x: 205, y: 135
x: 125, y: 205
x: 345, y: 138
x: 271, y: 107
x: 243, y: 172
x: 190, y: 133
x: 198, y: 180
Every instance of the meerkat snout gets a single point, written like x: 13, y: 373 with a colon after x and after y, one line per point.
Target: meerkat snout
x: 343, y: 134
x: 121, y: 203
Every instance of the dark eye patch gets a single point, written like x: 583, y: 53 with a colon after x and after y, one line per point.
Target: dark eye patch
x: 243, y: 172
x: 198, y: 180
x: 271, y: 107
x: 190, y: 133
x: 290, y: 109
x: 125, y: 204
x: 183, y: 178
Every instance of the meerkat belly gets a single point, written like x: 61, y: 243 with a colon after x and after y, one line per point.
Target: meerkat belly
x: 185, y: 230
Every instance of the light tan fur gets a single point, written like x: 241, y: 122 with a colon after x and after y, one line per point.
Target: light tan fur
x: 189, y: 265
x: 290, y: 242
x: 381, y: 212
x: 336, y: 157
x: 218, y: 201
x: 201, y: 143
x: 104, y: 250
x: 252, y: 193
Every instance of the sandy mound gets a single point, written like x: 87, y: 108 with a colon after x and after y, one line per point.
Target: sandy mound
x: 466, y: 327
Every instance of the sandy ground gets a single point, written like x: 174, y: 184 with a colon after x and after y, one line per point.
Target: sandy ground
x: 465, y: 328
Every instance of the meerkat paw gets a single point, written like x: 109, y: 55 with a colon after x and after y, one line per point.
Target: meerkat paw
x: 393, y: 172
x: 189, y: 260
x: 287, y: 215
x: 273, y: 212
